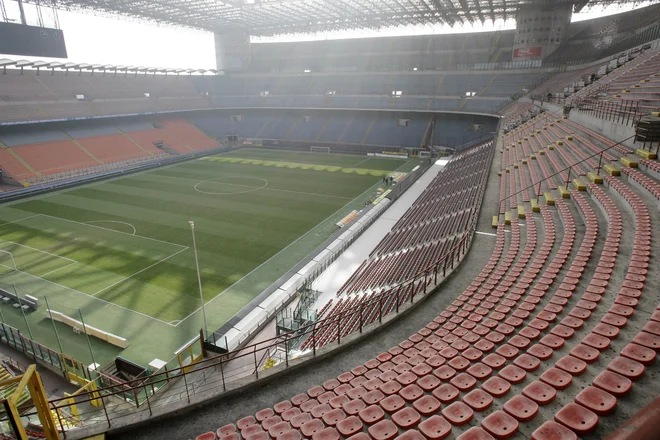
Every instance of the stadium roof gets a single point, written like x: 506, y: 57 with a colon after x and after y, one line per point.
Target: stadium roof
x: 277, y: 17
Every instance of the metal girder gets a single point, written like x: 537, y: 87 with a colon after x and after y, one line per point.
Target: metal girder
x: 276, y: 17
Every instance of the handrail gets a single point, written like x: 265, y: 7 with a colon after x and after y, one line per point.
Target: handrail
x: 407, y: 289
x: 568, y: 168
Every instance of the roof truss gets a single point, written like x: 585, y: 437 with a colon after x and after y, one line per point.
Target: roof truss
x: 276, y: 17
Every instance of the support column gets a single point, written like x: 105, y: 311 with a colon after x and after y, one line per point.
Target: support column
x: 232, y: 49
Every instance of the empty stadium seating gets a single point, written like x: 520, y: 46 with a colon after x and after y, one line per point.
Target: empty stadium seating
x: 550, y: 337
x: 31, y: 156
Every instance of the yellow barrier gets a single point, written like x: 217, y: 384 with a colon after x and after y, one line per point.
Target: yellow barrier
x: 564, y: 192
x: 646, y: 154
x: 549, y: 199
x: 535, y: 205
x: 579, y: 185
x: 32, y: 381
x: 521, y: 211
x: 611, y: 170
x: 496, y: 221
x: 507, y: 218
x: 628, y: 162
x: 595, y: 178
x: 186, y: 363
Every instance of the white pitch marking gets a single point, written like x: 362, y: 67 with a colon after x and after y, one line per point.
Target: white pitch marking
x: 114, y: 221
x: 140, y: 271
x: 290, y: 244
x: 39, y: 250
x: 20, y: 220
x: 360, y: 163
x: 97, y: 299
x: 60, y: 268
x: 255, y: 188
x: 214, y: 181
x: 113, y: 230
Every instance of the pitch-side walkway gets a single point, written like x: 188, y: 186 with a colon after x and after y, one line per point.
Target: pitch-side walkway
x: 342, y: 269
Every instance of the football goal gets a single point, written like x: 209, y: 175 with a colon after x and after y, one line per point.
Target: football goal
x: 7, y: 263
x: 319, y: 149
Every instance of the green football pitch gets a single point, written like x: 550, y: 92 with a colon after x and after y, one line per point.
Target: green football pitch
x: 119, y: 252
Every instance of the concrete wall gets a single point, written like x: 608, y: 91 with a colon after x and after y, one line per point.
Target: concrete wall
x: 610, y: 130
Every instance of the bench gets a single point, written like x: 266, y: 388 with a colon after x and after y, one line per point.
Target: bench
x: 28, y: 302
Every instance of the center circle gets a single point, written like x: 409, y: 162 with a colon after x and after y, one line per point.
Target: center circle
x: 228, y: 185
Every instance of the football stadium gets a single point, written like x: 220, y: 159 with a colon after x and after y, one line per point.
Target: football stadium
x: 364, y: 220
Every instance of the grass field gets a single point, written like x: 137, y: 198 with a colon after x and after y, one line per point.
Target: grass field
x: 120, y: 251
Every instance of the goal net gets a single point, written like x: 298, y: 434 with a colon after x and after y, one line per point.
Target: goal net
x: 7, y: 263
x: 319, y: 149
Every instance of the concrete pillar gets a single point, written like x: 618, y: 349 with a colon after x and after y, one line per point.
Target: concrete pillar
x: 232, y: 49
x: 540, y: 30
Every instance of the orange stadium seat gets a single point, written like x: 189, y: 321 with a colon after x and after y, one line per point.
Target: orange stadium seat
x: 55, y: 157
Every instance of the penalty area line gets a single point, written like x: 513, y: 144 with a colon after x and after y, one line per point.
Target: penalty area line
x: 140, y: 271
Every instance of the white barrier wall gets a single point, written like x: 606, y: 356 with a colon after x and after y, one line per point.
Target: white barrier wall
x: 115, y: 340
x: 267, y: 309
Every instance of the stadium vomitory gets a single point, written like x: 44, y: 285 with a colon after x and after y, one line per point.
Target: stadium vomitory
x: 357, y: 237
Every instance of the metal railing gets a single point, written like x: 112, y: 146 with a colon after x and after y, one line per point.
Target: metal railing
x: 623, y: 112
x: 568, y: 170
x: 231, y: 370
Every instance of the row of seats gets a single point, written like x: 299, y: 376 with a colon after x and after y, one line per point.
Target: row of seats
x: 65, y: 159
x: 19, y: 111
x: 21, y: 85
x: 421, y: 83
x: 379, y: 286
x: 409, y: 247
x: 641, y: 67
x: 535, y: 322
